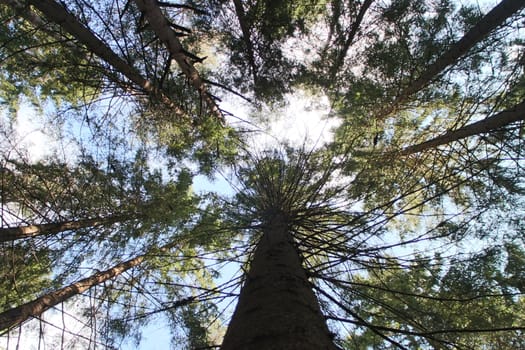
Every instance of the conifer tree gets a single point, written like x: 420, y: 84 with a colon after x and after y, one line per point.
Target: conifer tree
x: 403, y: 231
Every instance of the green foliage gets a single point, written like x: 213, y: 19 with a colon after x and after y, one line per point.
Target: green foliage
x: 258, y: 47
x: 440, y: 305
x: 24, y: 274
x: 274, y: 21
x: 207, y: 141
x: 420, y: 250
x: 39, y: 65
x: 90, y: 189
x: 198, y: 334
x: 289, y: 182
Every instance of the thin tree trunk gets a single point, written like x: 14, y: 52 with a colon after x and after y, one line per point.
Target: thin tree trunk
x: 497, y: 16
x: 14, y: 233
x: 483, y: 126
x: 163, y: 30
x: 35, y: 308
x: 57, y: 13
x: 277, y: 308
x: 15, y: 316
x: 250, y: 52
x: 351, y: 36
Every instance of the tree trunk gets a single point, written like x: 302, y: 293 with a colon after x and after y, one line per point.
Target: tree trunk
x: 13, y: 233
x: 483, y: 126
x: 163, y: 30
x: 351, y: 36
x: 497, y: 16
x: 57, y: 13
x: 277, y: 308
x: 250, y: 52
x: 15, y: 316
x: 35, y: 308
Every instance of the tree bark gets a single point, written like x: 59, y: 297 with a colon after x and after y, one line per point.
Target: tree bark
x: 277, y: 308
x: 163, y: 30
x: 57, y: 13
x: 483, y: 126
x: 14, y: 233
x: 17, y: 315
x: 488, y: 23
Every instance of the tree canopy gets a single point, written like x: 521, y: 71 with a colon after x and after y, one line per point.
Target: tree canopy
x: 407, y: 221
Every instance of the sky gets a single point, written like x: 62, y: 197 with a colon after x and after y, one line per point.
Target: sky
x: 304, y: 120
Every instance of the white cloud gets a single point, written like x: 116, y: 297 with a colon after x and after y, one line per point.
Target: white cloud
x: 30, y: 134
x: 304, y: 121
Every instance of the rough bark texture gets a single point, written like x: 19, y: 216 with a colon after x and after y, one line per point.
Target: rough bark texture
x: 483, y: 126
x: 277, y: 308
x: 35, y: 308
x: 13, y: 233
x: 497, y: 16
x: 57, y: 13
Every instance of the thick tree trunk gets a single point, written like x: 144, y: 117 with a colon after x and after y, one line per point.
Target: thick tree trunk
x: 483, y: 126
x: 497, y: 16
x: 35, y: 308
x: 277, y: 308
x: 57, y: 13
x: 13, y: 233
x: 163, y: 30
